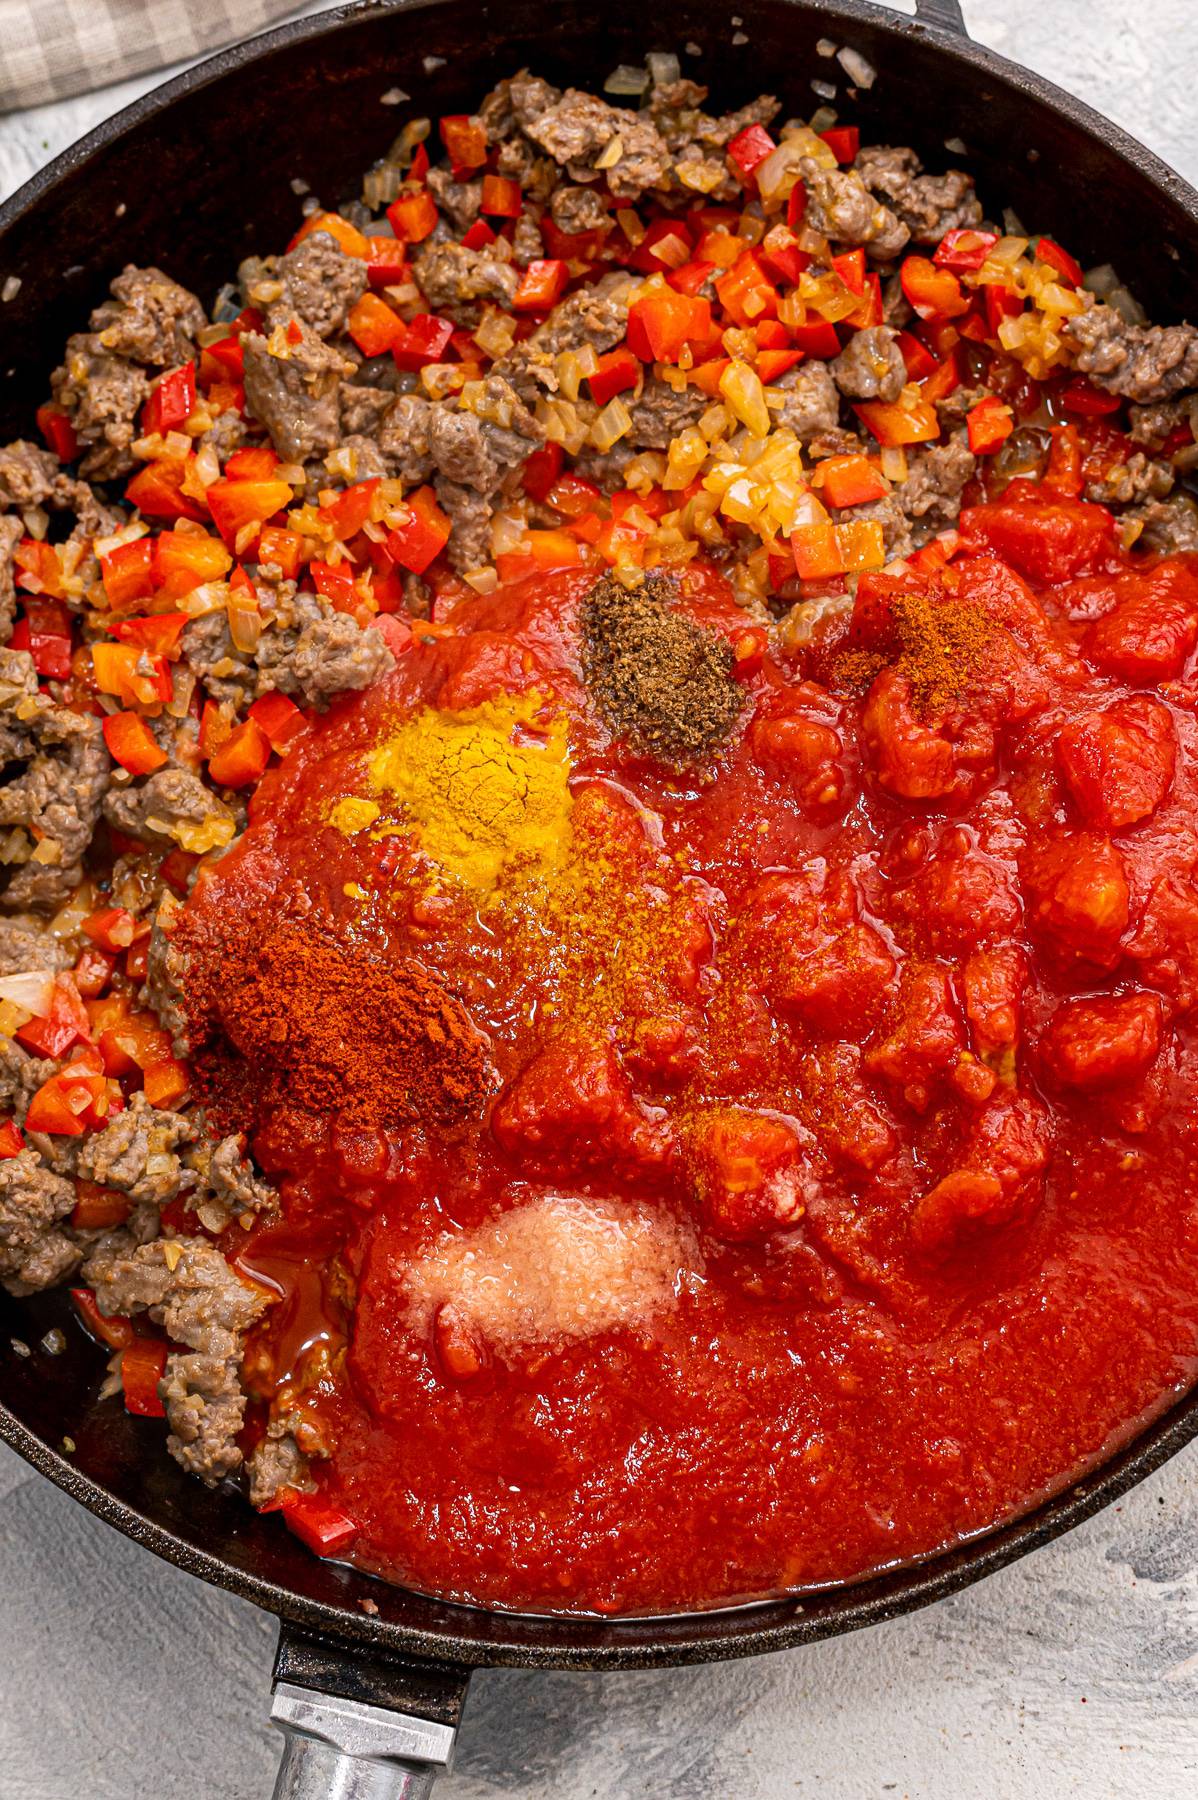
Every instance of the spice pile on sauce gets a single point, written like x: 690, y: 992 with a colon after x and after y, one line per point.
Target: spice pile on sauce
x: 793, y: 1169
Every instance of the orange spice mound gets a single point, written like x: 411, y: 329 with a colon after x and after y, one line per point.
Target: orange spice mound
x: 295, y: 1017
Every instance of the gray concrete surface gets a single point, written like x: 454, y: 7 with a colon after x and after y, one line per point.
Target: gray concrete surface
x: 1073, y: 1674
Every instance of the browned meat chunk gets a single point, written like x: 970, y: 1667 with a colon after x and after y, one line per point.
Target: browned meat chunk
x: 186, y: 1286
x: 403, y: 435
x: 1144, y: 363
x: 470, y: 515
x: 150, y: 319
x: 25, y: 946
x: 1128, y: 483
x: 276, y: 1462
x: 460, y: 201
x: 1169, y: 527
x: 135, y: 1152
x: 56, y: 773
x: 102, y: 396
x: 485, y: 448
x: 453, y: 279
x: 661, y: 414
x: 167, y: 806
x: 309, y: 651
x: 871, y: 366
x: 936, y: 475
x: 292, y: 389
x: 928, y: 205
x: 34, y: 1253
x: 576, y: 209
x: 812, y: 404
x: 578, y: 128
x: 841, y: 206
x: 205, y: 1408
x: 320, y: 285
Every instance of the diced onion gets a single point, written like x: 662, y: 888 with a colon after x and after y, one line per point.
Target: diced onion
x: 626, y: 79
x: 664, y: 67
x: 506, y: 533
x: 207, y: 464
x: 245, y: 628
x: 33, y: 991
x: 824, y: 90
x: 741, y: 387
x: 483, y: 581
x: 612, y: 424
x: 611, y: 153
x: 859, y: 70
x: 825, y: 47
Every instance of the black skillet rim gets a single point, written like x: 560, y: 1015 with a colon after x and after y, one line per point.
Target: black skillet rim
x: 510, y: 1640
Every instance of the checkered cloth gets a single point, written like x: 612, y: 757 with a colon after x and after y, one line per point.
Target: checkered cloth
x: 50, y: 49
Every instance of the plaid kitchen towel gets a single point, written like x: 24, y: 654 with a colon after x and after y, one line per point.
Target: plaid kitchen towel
x: 50, y: 49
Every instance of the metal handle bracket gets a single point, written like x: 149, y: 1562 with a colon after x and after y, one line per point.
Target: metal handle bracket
x: 337, y: 1749
x: 946, y: 15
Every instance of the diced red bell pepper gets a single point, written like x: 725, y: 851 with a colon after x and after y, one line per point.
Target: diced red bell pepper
x: 374, y: 326
x: 335, y: 582
x: 386, y: 264
x: 143, y: 1364
x: 118, y: 671
x: 424, y: 340
x: 816, y: 338
x: 413, y: 216
x: 134, y: 1042
x: 45, y: 632
x: 796, y: 205
x: 748, y: 148
x: 542, y: 285
x: 618, y: 371
x: 159, y: 632
x: 58, y: 431
x: 164, y: 1083
x: 746, y: 292
x: 690, y: 277
x: 339, y: 229
x: 177, y: 866
x: 943, y: 380
x: 418, y: 171
x: 1065, y: 472
x: 572, y: 495
x: 158, y: 489
x: 172, y: 401
x: 238, y: 504
x: 128, y: 572
x: 282, y: 548
x: 661, y: 325
x: 990, y: 424
x: 918, y: 358
x: 851, y: 269
x: 1001, y: 303
x: 843, y: 141
x: 111, y: 927
x: 99, y: 1208
x: 537, y: 552
x: 350, y: 510
x: 422, y: 535
x: 465, y: 140
x: 243, y: 756
x: 781, y: 255
x: 11, y: 1141
x: 38, y: 568
x: 849, y: 481
x: 256, y: 462
x: 281, y: 720
x: 116, y: 1332
x: 667, y: 244
x: 479, y: 236
x: 895, y: 424
x: 65, y: 1024
x: 816, y: 552
x: 541, y: 470
x: 771, y: 364
x: 215, y: 728
x: 93, y: 971
x: 318, y: 1524
x: 501, y: 197
x: 1080, y: 396
x: 185, y: 560
x: 132, y: 744
x: 964, y: 249
x: 934, y: 293
x: 1050, y: 252
x: 225, y: 358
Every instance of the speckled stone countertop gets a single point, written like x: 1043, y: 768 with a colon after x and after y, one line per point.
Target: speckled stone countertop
x: 1074, y: 1673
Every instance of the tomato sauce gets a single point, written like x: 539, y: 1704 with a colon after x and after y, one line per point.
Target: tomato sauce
x: 834, y: 1197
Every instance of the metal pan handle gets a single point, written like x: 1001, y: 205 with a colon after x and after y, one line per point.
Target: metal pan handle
x: 357, y: 1726
x: 946, y: 15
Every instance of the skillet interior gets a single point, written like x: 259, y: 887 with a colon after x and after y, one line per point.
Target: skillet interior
x: 199, y: 175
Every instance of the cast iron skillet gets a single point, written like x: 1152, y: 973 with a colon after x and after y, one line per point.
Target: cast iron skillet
x: 194, y: 177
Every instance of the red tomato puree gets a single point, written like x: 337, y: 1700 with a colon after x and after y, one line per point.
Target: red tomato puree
x: 833, y: 1194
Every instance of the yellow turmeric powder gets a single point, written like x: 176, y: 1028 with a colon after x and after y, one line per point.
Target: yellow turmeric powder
x: 478, y: 794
